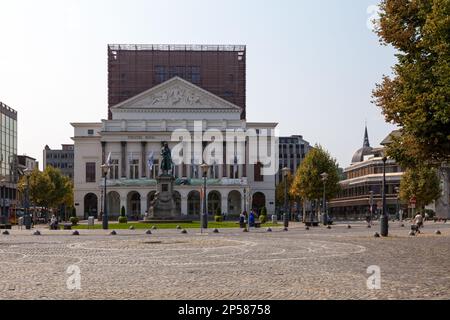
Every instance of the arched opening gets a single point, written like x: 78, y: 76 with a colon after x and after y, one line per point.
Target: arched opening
x: 150, y: 198
x: 113, y: 204
x: 214, y: 203
x: 193, y: 202
x: 133, y: 205
x: 90, y: 206
x: 258, y: 202
x: 234, y: 203
x: 177, y: 199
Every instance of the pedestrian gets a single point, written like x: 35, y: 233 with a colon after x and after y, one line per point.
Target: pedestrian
x: 242, y: 219
x: 368, y: 218
x: 251, y: 219
x: 418, y: 220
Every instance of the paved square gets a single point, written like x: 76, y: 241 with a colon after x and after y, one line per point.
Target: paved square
x: 298, y: 264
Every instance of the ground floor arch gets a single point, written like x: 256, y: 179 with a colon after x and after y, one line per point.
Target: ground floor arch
x: 113, y: 202
x: 133, y: 205
x: 258, y: 202
x: 177, y: 200
x: 214, y: 203
x: 234, y: 203
x: 193, y: 203
x: 90, y: 205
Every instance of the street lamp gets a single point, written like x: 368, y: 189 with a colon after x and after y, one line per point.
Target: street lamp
x: 324, y: 206
x: 384, y: 221
x: 371, y: 203
x: 285, y: 172
x: 397, y: 191
x: 3, y: 219
x: 105, y: 169
x: 27, y: 218
x: 204, y: 221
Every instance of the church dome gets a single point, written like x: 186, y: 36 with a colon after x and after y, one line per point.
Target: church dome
x: 361, y: 153
x: 364, y: 151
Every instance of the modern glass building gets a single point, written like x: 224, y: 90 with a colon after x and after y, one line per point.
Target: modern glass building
x: 8, y: 159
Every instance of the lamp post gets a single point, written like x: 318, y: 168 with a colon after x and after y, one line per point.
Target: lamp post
x: 204, y: 222
x: 324, y: 206
x: 27, y: 218
x: 105, y: 168
x: 3, y: 219
x: 397, y: 191
x: 285, y: 172
x: 371, y: 203
x: 384, y: 223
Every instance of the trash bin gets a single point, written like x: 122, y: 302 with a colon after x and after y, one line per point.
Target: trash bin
x: 91, y: 221
x: 27, y: 221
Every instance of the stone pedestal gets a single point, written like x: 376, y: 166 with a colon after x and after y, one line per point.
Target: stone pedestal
x: 164, y: 207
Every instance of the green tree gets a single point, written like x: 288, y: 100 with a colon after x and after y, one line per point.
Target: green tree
x: 420, y: 182
x: 308, y: 182
x: 279, y: 191
x: 417, y: 96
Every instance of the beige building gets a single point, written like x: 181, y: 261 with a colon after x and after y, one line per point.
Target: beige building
x: 191, y: 120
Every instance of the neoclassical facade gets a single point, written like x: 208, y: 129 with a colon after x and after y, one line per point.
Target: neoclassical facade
x: 199, y: 127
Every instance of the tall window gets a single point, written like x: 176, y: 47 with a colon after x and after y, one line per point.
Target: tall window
x: 90, y: 172
x: 134, y: 169
x: 155, y: 169
x: 114, y: 171
x: 257, y: 172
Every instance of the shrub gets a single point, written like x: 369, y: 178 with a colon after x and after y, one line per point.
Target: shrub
x: 123, y: 219
x: 74, y: 220
x: 122, y: 212
x: 264, y: 211
x: 263, y: 218
x: 218, y: 218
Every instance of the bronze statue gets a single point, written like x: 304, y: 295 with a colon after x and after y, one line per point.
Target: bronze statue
x: 166, y: 159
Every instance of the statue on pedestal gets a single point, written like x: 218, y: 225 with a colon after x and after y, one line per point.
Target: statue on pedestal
x: 166, y: 159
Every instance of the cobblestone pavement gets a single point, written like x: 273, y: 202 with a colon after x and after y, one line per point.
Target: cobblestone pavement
x: 299, y: 264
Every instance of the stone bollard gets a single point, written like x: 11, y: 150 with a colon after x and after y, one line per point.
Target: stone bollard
x: 269, y: 230
x: 37, y: 233
x: 328, y: 227
x: 376, y: 235
x: 216, y: 230
x: 438, y: 232
x: 285, y: 229
x: 6, y: 233
x: 75, y: 233
x: 148, y: 232
x: 307, y: 228
x: 113, y: 233
x: 349, y: 227
x: 369, y: 226
x: 184, y: 231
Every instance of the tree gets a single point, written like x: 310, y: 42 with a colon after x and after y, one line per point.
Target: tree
x: 279, y: 190
x: 417, y: 96
x: 308, y: 183
x: 422, y: 183
x: 48, y: 189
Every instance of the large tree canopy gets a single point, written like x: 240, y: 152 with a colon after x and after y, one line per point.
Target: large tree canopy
x: 417, y: 96
x: 308, y: 182
x: 422, y: 183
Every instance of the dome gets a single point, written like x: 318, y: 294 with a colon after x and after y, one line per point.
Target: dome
x: 364, y: 151
x: 361, y: 153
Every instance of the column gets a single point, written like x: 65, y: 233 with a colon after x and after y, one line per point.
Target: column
x: 103, y: 152
x: 144, y: 160
x: 123, y: 160
x: 184, y: 205
x: 224, y: 165
x: 224, y: 204
x: 143, y: 204
x: 123, y: 203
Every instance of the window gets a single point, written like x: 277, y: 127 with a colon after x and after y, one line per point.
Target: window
x: 257, y: 172
x: 114, y: 171
x: 90, y: 132
x: 134, y: 169
x: 90, y: 172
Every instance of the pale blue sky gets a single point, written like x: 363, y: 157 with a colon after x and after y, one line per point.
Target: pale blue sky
x: 311, y: 65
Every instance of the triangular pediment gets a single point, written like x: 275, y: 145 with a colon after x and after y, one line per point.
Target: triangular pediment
x: 175, y: 93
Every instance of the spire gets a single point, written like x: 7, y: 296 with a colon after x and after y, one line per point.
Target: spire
x: 366, y: 138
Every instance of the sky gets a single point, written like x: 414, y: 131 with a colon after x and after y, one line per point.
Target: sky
x: 311, y: 65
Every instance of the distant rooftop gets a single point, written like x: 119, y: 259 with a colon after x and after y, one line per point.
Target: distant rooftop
x: 176, y: 47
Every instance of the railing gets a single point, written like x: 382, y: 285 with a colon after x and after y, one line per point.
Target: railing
x: 176, y: 47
